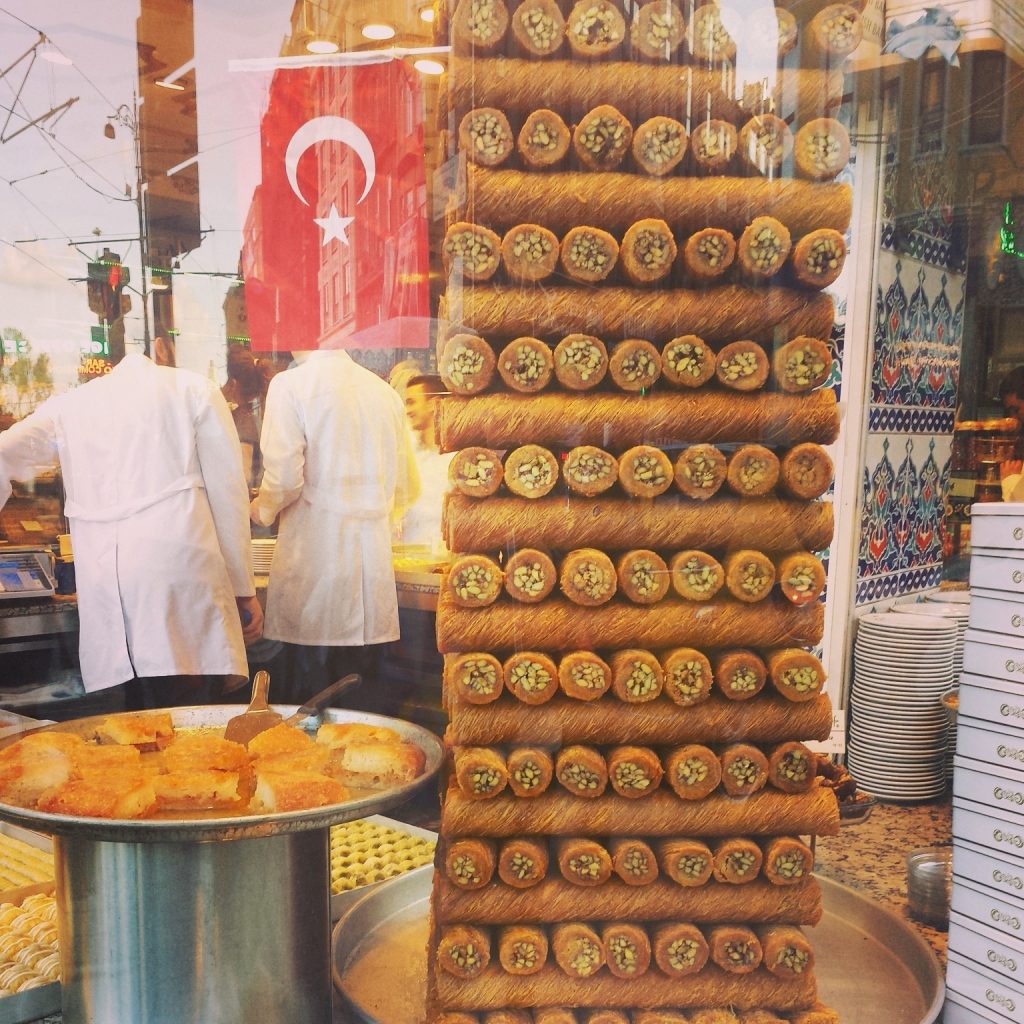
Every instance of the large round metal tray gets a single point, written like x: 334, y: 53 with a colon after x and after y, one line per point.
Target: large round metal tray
x: 249, y: 826
x: 870, y: 964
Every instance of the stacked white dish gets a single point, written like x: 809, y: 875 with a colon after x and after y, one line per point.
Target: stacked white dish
x: 897, y: 744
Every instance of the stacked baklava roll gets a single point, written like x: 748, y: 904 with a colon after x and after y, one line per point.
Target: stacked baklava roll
x: 637, y: 346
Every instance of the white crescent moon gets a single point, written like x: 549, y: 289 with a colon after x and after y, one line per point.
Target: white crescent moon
x: 334, y: 129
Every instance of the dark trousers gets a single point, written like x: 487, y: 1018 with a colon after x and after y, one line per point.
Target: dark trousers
x: 145, y: 693
x: 298, y: 671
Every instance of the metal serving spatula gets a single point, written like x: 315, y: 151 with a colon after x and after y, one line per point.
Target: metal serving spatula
x: 257, y: 717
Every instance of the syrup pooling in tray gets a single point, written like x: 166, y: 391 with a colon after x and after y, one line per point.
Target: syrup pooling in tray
x: 140, y: 766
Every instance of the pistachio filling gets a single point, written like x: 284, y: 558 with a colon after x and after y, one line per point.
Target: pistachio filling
x: 687, y: 679
x: 805, y: 470
x: 585, y: 866
x: 590, y: 467
x: 465, y: 870
x: 712, y: 141
x: 636, y: 863
x: 529, y: 677
x: 687, y: 358
x: 526, y: 367
x: 483, y: 23
x: 645, y: 577
x: 487, y: 134
x: 769, y: 144
x: 795, y: 766
x: 531, y: 246
x: 790, y: 865
x: 623, y: 953
x: 466, y: 957
x: 480, y: 676
x: 603, y: 136
x: 473, y: 248
x: 744, y: 772
x: 596, y: 24
x: 588, y: 253
x: 533, y: 473
x: 577, y: 776
x: 743, y: 680
x: 543, y: 135
x: 740, y: 366
x: 474, y: 583
x: 766, y: 250
x: 583, y: 356
x: 660, y: 28
x: 699, y: 576
x: 651, y: 249
x: 586, y: 957
x: 701, y: 470
x: 540, y: 28
x: 465, y: 363
x: 525, y: 955
x: 588, y: 676
x: 840, y: 29
x: 739, y: 862
x: 710, y: 33
x: 629, y: 775
x: 682, y: 954
x: 740, y: 952
x: 802, y: 579
x: 692, y: 772
x: 484, y: 780
x: 805, y: 368
x: 648, y: 469
x: 712, y: 249
x: 661, y: 145
x: 793, y: 959
x: 529, y: 579
x: 752, y: 473
x: 754, y: 579
x: 802, y: 680
x: 591, y: 580
x: 528, y: 775
x: 641, y: 681
x: 692, y: 865
x: 522, y: 866
x: 823, y: 150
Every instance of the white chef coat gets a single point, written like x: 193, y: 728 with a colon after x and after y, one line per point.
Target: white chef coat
x: 422, y: 522
x: 158, y: 508
x: 338, y: 466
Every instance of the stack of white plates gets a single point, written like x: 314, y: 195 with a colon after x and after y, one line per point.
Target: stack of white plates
x: 903, y: 663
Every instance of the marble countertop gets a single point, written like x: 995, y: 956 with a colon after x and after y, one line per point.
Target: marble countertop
x: 870, y: 856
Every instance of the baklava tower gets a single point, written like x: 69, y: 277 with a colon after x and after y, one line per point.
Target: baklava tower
x: 628, y: 642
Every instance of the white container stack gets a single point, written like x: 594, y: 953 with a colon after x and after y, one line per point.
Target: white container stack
x: 985, y: 975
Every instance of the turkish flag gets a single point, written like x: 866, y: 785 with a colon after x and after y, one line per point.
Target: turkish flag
x: 334, y: 251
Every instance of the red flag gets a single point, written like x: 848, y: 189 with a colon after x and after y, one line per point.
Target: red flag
x: 334, y: 250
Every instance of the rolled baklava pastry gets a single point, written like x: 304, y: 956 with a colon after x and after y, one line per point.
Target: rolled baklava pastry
x: 817, y: 259
x: 476, y: 472
x: 688, y: 676
x: 817, y: 1014
x: 587, y: 577
x: 458, y: 1018
x: 753, y: 471
x: 679, y: 949
x: 739, y: 674
x: 485, y: 136
x: 648, y: 251
x: 712, y: 146
x: 821, y: 149
x: 522, y: 948
x: 588, y: 254
x: 765, y: 142
x: 530, y: 576
x: 584, y: 675
x: 643, y: 576
x: 627, y: 950
x: 659, y: 145
x: 578, y: 949
x: 660, y: 1017
x: 633, y: 861
x: 543, y: 140
x: 522, y: 862
x: 634, y: 772
x: 700, y: 471
x: 806, y: 471
x: 791, y: 767
x: 688, y: 862
x: 472, y: 251
x: 834, y: 32
x: 737, y: 860
x: 480, y: 772
x: 530, y: 771
x: 475, y: 678
x: 764, y: 25
x: 581, y: 771
x: 606, y: 1016
x: 744, y: 769
x: 467, y: 364
x: 526, y: 365
x: 531, y: 471
x: 506, y: 1017
x: 645, y: 471
x: 735, y: 948
x: 530, y: 676
x: 763, y: 248
x: 787, y: 861
x: 707, y: 255
x: 657, y: 31
x: 787, y: 952
x: 554, y: 1015
x: 470, y: 863
x: 742, y: 366
x: 710, y: 41
x: 693, y: 771
x: 801, y: 577
x: 529, y: 252
x: 602, y: 138
x: 696, y: 575
x: 634, y: 365
x: 637, y: 676
x: 538, y: 28
x: 760, y: 1017
x: 479, y: 26
x: 590, y: 471
x: 595, y: 28
x: 474, y: 581
x: 463, y: 950
x: 795, y: 673
x: 581, y: 361
x: 802, y: 364
x: 583, y: 861
x: 749, y: 575
x: 687, y: 361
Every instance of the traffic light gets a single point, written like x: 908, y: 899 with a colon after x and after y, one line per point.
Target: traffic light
x: 107, y: 278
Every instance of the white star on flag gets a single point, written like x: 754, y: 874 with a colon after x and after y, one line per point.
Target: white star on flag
x: 334, y: 226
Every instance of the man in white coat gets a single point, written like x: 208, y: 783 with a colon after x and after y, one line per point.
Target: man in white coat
x: 338, y: 466
x: 157, y: 503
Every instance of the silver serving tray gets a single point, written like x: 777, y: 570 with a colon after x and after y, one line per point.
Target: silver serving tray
x: 249, y: 826
x: 871, y: 965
